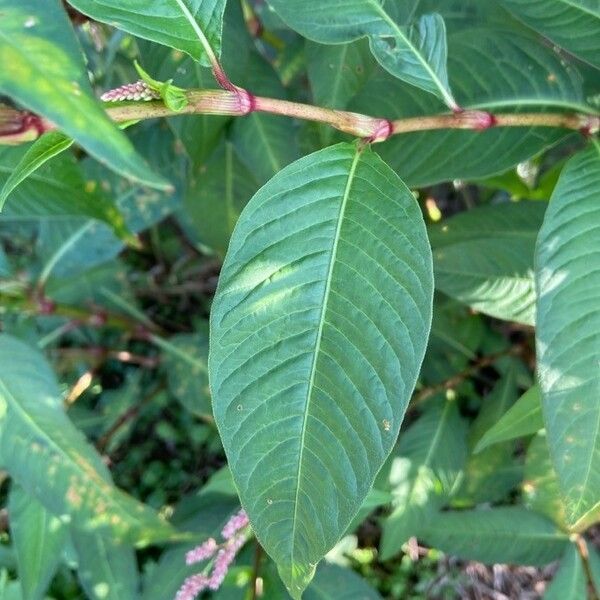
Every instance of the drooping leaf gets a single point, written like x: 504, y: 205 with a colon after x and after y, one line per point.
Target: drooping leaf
x: 431, y: 454
x: 42, y: 150
x: 194, y: 26
x: 49, y: 458
x: 484, y: 258
x: 568, y: 334
x: 416, y: 53
x: 522, y: 419
x: 572, y: 24
x: 43, y: 69
x: 482, y: 72
x: 569, y: 582
x: 38, y: 538
x: 318, y: 330
x: 541, y: 491
x: 55, y: 191
x: 498, y: 535
x: 106, y: 570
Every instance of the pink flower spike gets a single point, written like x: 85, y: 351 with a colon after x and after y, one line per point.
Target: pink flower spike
x: 192, y: 586
x: 201, y: 552
x: 235, y: 523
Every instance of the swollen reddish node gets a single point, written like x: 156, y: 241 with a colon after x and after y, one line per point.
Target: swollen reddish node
x: 382, y: 132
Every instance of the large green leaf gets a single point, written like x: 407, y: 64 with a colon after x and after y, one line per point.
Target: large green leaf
x: 416, y: 53
x: 192, y: 26
x: 38, y: 538
x: 43, y: 69
x: 568, y: 334
x: 522, y: 419
x: 484, y: 258
x: 488, y: 69
x: 44, y: 452
x: 431, y: 454
x: 55, y: 191
x: 497, y: 535
x: 106, y: 569
x: 569, y: 582
x: 318, y: 330
x: 572, y: 24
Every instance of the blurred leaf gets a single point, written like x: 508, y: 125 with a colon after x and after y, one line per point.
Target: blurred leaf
x: 568, y: 313
x: 498, y: 535
x: 429, y: 460
x: 572, y: 24
x: 216, y: 194
x: 484, y: 258
x: 45, y: 453
x: 541, y: 491
x: 38, y: 538
x: 43, y: 69
x: 185, y: 360
x: 522, y: 419
x: 106, y: 570
x: 41, y: 151
x: 569, y: 582
x: 317, y: 405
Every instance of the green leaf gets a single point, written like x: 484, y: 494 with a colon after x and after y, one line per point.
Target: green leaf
x: 481, y: 66
x: 522, y: 419
x: 38, y: 538
x: 192, y: 26
x: 416, y: 54
x: 484, y: 258
x: 43, y: 69
x: 431, y: 454
x: 46, y: 454
x: 568, y: 334
x: 318, y: 330
x: 185, y: 360
x: 41, y: 151
x: 498, y: 535
x: 106, y: 569
x: 572, y: 24
x: 569, y: 582
x: 332, y: 582
x: 174, y: 97
x: 216, y: 194
x: 541, y: 491
x: 56, y: 190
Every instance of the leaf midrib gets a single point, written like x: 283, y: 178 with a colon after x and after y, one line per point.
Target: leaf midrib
x: 318, y: 339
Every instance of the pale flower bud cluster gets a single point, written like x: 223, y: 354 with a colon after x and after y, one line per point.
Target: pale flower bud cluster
x: 235, y: 535
x: 131, y: 91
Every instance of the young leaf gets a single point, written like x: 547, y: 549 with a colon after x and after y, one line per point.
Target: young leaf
x: 416, y: 54
x: 522, y: 419
x: 498, y: 535
x: 572, y: 24
x: 430, y: 456
x: 318, y: 330
x: 192, y: 26
x: 38, y: 538
x: 43, y: 69
x: 569, y: 582
x: 484, y: 258
x: 174, y: 97
x: 568, y: 314
x: 41, y: 151
x: 44, y: 452
x: 107, y: 570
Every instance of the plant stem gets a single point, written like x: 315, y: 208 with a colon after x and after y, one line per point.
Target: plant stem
x: 585, y: 559
x: 238, y: 102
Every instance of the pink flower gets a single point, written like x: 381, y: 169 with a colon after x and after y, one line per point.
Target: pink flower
x: 237, y: 522
x: 201, y: 552
x: 192, y: 586
x: 130, y: 91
